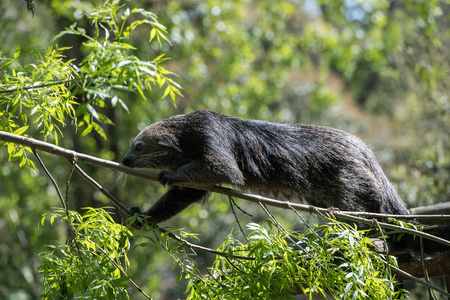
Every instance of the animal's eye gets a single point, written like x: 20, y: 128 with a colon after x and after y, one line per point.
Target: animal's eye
x: 138, y: 147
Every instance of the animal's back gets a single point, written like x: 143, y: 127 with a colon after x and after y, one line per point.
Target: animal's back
x: 324, y: 166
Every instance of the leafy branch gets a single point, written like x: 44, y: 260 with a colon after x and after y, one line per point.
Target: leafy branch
x: 326, y: 212
x: 38, y: 90
x: 69, y: 268
x: 54, y: 87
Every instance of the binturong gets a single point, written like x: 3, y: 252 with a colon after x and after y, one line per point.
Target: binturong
x: 322, y: 166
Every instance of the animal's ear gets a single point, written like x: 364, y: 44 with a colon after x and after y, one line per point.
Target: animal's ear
x: 170, y: 142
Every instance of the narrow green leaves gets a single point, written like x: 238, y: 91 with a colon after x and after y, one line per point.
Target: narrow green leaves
x: 110, y: 66
x: 41, y: 90
x: 94, y: 259
x: 336, y: 261
x: 54, y: 89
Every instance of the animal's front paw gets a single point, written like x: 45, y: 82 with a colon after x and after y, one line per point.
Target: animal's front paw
x: 136, y: 210
x: 166, y: 177
x: 141, y: 221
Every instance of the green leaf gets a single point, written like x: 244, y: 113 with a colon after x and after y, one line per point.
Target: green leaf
x: 64, y: 32
x: 99, y: 130
x: 31, y: 164
x: 126, y: 13
x: 166, y: 92
x: 11, y: 149
x: 152, y: 34
x: 17, y: 52
x: 6, y: 64
x: 21, y: 130
x: 87, y: 130
x: 125, y: 46
x: 22, y: 162
x: 93, y: 112
x: 81, y: 30
x: 124, y: 105
x: 19, y: 153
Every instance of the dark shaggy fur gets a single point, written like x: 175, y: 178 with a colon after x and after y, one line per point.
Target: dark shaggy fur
x: 323, y: 166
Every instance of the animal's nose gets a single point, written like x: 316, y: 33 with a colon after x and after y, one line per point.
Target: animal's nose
x: 127, y: 161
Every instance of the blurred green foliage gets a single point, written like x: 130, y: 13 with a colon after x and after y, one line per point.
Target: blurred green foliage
x: 378, y: 69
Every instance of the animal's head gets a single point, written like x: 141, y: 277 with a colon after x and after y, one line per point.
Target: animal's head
x: 156, y: 147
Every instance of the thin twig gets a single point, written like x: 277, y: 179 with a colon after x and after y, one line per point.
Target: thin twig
x: 116, y: 202
x: 235, y: 266
x: 176, y: 258
x: 387, y: 260
x: 232, y: 204
x: 420, y: 281
x: 11, y: 90
x: 207, y: 270
x: 306, y: 223
x: 280, y: 227
x: 243, y: 211
x: 68, y: 183
x: 121, y: 270
x: 272, y: 217
x: 384, y: 238
x: 197, y: 247
x: 58, y: 191
x: 71, y: 230
x: 424, y: 267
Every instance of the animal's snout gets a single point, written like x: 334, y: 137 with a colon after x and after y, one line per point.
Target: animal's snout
x: 127, y: 161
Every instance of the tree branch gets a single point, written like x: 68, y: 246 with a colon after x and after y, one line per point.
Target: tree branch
x: 438, y: 209
x: 339, y: 215
x: 12, y: 90
x: 116, y: 202
x: 70, y: 155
